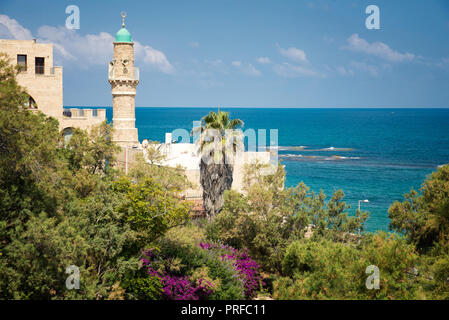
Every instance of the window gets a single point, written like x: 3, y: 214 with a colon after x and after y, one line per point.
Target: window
x: 67, y: 113
x: 78, y: 113
x: 67, y: 133
x: 94, y: 113
x: 22, y: 62
x: 31, y: 103
x: 39, y: 65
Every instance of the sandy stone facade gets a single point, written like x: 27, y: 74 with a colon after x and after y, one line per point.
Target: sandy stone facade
x: 124, y: 78
x: 43, y: 82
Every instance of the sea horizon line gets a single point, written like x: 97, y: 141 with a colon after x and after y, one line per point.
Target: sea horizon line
x: 250, y: 107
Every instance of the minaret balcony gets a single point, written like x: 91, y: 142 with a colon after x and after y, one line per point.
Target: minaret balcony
x: 119, y: 73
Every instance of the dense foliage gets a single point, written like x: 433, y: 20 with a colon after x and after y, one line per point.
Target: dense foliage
x: 65, y: 203
x: 268, y: 217
x: 332, y: 270
x: 188, y: 271
x: 424, y: 217
x: 248, y: 269
x: 312, y: 248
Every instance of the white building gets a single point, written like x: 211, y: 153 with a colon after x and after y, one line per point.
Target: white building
x: 186, y: 155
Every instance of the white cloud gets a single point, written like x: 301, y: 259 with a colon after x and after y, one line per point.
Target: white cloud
x: 292, y: 71
x: 294, y: 54
x: 443, y: 63
x: 378, y: 49
x: 362, y: 66
x: 153, y: 58
x: 215, y: 66
x: 97, y: 49
x: 344, y: 71
x: 90, y: 49
x: 247, y: 69
x: 216, y: 62
x: 236, y: 63
x: 11, y: 29
x: 251, y: 70
x: 263, y: 60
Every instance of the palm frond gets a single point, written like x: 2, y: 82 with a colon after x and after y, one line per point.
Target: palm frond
x: 235, y: 123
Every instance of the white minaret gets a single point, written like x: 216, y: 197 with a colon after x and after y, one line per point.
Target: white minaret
x: 124, y: 78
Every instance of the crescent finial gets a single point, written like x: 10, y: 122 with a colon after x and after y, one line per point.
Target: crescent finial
x: 123, y: 15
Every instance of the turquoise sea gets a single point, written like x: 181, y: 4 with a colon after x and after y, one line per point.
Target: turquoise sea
x: 374, y: 154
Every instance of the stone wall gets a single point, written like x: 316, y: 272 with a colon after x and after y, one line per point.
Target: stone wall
x: 185, y: 155
x: 84, y: 121
x: 46, y: 89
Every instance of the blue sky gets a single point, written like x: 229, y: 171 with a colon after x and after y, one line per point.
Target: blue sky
x: 249, y: 53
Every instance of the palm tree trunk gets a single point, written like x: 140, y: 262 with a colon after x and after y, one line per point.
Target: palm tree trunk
x: 215, y: 180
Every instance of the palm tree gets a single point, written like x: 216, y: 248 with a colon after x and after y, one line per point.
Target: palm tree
x: 218, y: 142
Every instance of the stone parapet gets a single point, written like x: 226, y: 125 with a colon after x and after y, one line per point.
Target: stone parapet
x: 82, y: 118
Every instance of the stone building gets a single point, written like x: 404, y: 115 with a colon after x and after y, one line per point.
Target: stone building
x: 124, y: 78
x: 187, y: 156
x: 43, y: 82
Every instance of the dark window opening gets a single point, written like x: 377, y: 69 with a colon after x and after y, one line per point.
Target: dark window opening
x: 31, y: 103
x: 67, y: 133
x: 22, y: 62
x: 67, y: 113
x: 40, y: 64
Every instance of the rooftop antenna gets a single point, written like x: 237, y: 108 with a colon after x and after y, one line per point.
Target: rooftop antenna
x: 123, y: 15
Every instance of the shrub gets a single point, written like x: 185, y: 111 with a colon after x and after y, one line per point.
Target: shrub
x: 329, y: 270
x: 144, y: 288
x: 243, y: 264
x: 316, y: 270
x: 260, y: 233
x: 189, y: 272
x: 424, y: 216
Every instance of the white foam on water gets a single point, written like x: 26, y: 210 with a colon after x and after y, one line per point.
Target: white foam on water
x: 289, y: 155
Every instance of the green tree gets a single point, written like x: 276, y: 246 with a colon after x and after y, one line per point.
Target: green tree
x: 90, y: 235
x: 62, y: 206
x: 149, y: 209
x: 93, y: 151
x: 31, y: 168
x: 268, y: 217
x: 325, y: 269
x: 173, y: 179
x: 424, y: 217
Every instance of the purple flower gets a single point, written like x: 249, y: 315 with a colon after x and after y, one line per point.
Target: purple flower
x: 247, y: 268
x: 178, y: 288
x: 181, y: 288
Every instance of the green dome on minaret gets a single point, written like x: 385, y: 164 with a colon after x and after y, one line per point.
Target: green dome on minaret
x: 123, y: 35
